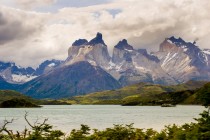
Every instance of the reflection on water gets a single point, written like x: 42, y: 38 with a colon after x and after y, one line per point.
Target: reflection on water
x: 66, y: 117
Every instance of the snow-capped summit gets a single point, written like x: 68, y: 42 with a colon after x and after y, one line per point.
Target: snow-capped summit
x: 16, y: 74
x: 47, y: 66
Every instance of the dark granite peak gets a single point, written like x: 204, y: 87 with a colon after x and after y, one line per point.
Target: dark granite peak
x: 123, y: 45
x: 97, y: 40
x: 176, y: 40
x: 80, y: 42
x: 124, y: 41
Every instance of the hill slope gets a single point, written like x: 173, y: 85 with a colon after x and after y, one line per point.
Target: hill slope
x: 142, y: 92
x: 10, y: 94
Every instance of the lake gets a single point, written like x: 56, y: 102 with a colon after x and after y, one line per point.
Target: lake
x: 68, y: 117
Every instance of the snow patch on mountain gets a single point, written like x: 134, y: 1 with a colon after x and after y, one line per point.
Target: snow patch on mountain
x: 52, y: 65
x: 203, y: 58
x: 206, y: 51
x: 166, y: 59
x: 169, y: 41
x: 22, y: 78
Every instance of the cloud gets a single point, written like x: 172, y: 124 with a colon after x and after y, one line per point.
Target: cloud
x: 30, y: 4
x: 144, y: 23
x: 16, y: 25
x: 30, y: 37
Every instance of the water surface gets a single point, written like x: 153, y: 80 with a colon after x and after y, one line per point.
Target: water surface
x: 68, y: 117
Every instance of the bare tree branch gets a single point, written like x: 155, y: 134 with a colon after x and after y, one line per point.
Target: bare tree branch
x: 44, y: 122
x: 3, y: 128
x: 26, y: 114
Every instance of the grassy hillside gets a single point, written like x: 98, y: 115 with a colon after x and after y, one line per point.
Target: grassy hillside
x: 142, y: 93
x: 138, y: 94
x: 11, y: 94
x: 6, y: 95
x: 203, y: 94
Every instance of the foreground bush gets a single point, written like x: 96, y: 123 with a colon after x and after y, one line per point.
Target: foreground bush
x: 43, y: 131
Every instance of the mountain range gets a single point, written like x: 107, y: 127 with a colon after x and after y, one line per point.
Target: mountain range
x: 14, y: 74
x: 89, y: 68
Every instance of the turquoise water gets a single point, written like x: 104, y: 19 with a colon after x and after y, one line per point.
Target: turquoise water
x: 66, y: 117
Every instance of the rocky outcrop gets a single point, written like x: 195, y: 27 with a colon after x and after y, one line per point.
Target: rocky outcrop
x: 95, y: 52
x: 134, y: 66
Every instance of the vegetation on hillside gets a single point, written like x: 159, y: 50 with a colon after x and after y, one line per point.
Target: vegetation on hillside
x: 7, y: 95
x: 144, y: 94
x: 17, y: 103
x: 10, y: 94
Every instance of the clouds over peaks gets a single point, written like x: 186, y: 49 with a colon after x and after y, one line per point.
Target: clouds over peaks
x: 39, y: 36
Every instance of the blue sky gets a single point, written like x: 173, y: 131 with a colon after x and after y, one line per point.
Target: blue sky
x: 71, y: 3
x: 32, y: 31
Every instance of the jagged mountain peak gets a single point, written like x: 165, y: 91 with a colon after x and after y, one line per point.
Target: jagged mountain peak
x: 183, y: 60
x: 123, y: 45
x: 95, y: 52
x: 180, y: 42
x: 173, y: 44
x: 97, y: 40
x: 47, y: 66
x: 176, y: 40
x: 80, y: 42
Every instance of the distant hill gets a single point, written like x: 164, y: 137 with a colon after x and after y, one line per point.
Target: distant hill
x: 14, y: 99
x: 142, y: 93
x: 9, y: 95
x: 17, y: 103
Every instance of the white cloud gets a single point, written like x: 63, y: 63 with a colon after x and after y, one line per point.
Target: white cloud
x: 30, y: 4
x: 145, y: 24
